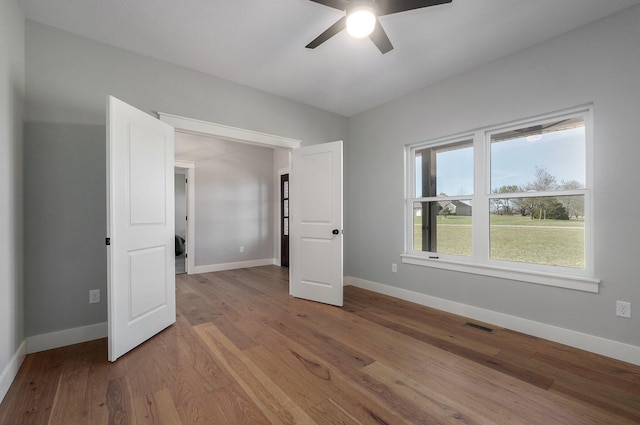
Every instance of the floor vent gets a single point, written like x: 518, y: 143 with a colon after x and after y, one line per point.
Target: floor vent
x: 482, y: 328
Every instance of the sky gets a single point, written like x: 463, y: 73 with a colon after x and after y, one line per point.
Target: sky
x: 514, y: 162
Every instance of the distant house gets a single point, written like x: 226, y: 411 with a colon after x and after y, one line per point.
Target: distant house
x: 461, y: 208
x: 455, y: 208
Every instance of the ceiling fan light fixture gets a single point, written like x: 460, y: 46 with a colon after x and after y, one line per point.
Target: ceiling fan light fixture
x: 361, y: 21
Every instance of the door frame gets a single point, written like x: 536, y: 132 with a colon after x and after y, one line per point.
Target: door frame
x: 278, y: 215
x: 191, y: 212
x: 278, y: 218
x: 193, y: 126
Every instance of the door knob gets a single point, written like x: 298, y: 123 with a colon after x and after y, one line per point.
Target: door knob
x: 335, y: 231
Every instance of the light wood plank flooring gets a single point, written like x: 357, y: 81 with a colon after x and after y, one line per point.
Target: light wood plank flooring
x: 244, y: 352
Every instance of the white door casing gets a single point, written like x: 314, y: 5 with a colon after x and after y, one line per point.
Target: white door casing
x: 316, y: 223
x: 140, y: 227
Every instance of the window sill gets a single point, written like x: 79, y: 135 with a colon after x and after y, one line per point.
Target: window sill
x: 570, y: 282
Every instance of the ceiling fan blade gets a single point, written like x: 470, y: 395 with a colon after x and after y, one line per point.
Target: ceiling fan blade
x: 380, y: 39
x: 387, y: 7
x: 330, y: 32
x: 336, y: 4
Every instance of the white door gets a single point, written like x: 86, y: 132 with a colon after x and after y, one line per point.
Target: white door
x: 140, y: 227
x: 316, y: 223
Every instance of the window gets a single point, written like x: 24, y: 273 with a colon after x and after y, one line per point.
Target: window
x: 510, y: 202
x: 441, y: 221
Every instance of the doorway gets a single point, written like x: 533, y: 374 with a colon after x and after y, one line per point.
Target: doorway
x: 184, y: 186
x: 180, y: 189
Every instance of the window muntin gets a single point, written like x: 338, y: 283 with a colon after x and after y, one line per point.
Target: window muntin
x: 549, y: 172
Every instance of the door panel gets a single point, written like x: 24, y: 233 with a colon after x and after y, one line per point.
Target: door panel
x: 148, y: 175
x: 146, y: 283
x: 316, y: 223
x: 140, y: 220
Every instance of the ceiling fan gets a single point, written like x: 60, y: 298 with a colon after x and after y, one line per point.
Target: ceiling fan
x: 361, y: 18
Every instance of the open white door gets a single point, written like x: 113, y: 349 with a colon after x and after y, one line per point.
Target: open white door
x: 140, y: 227
x: 316, y: 223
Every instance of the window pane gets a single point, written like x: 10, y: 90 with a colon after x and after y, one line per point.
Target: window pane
x: 542, y: 230
x: 444, y: 170
x: 442, y: 227
x: 549, y: 156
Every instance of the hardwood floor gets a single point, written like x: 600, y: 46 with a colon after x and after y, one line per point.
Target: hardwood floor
x: 244, y: 352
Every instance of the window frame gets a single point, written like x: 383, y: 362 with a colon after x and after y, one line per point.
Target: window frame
x: 437, y: 198
x: 480, y: 262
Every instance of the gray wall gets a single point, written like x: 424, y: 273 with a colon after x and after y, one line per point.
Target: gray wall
x: 67, y: 79
x: 12, y: 86
x: 65, y: 218
x: 233, y: 200
x: 598, y: 63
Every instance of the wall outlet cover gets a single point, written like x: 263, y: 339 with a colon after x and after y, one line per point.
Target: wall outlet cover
x: 623, y: 309
x: 94, y: 296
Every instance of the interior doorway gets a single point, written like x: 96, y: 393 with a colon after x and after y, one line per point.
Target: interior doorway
x: 180, y: 188
x: 184, y: 186
x: 281, y: 146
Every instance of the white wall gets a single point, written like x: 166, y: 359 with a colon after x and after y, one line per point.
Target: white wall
x: 12, y: 87
x: 597, y: 63
x: 233, y: 201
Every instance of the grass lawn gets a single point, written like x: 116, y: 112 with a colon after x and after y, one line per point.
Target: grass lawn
x: 515, y: 238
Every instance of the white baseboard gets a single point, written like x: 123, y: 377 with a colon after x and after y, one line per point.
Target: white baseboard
x: 231, y: 266
x: 66, y: 337
x: 100, y: 330
x: 9, y: 373
x: 606, y: 347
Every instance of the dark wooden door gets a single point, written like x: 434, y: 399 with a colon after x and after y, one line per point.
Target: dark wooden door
x: 284, y: 221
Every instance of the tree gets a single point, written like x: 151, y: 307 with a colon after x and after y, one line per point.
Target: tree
x: 573, y: 204
x: 540, y: 207
x: 543, y: 182
x: 505, y: 206
x: 556, y: 211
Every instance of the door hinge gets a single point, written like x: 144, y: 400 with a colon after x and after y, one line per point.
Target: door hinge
x: 108, y: 241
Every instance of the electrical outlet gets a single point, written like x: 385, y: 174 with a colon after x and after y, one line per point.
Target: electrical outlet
x: 241, y: 249
x: 94, y: 296
x: 394, y: 268
x: 623, y: 309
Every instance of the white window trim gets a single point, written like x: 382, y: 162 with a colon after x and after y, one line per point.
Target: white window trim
x: 586, y: 284
x: 480, y: 263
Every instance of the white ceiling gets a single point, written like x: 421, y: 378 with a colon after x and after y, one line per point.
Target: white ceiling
x: 260, y: 43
